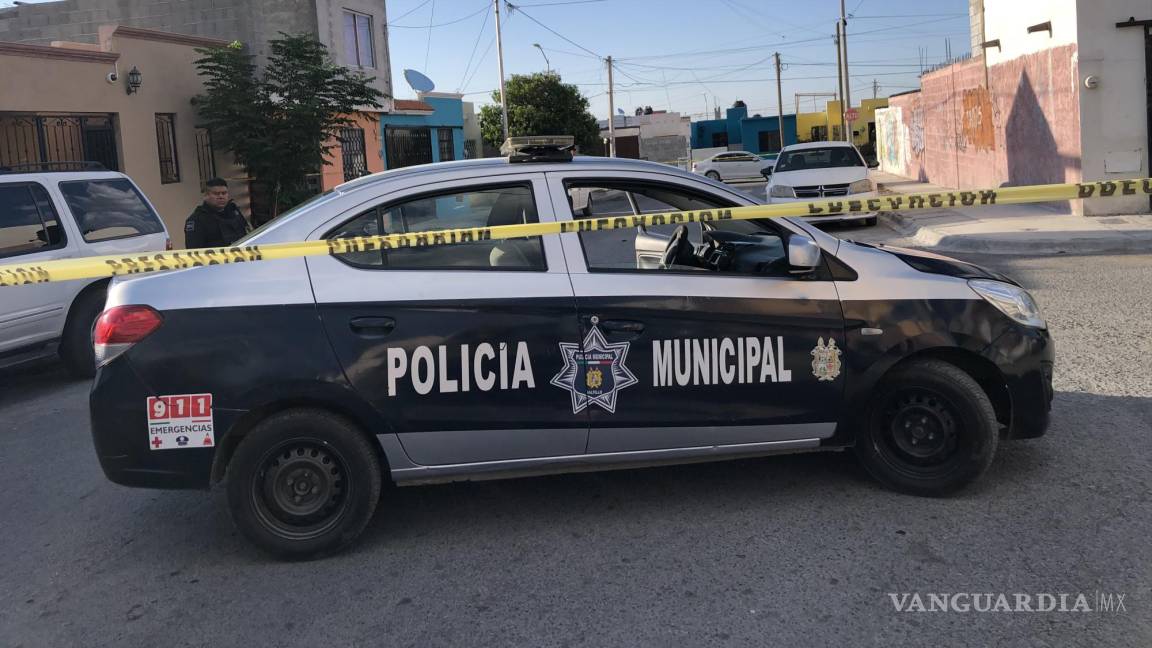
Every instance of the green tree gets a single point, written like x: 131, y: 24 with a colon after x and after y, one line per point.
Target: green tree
x: 278, y: 122
x: 541, y: 104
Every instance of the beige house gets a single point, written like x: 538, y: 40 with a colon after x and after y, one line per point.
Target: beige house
x: 73, y: 102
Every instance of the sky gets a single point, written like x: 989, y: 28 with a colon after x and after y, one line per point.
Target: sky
x: 680, y: 55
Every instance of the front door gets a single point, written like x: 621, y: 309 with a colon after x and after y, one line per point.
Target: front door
x: 688, y: 355
x: 455, y: 345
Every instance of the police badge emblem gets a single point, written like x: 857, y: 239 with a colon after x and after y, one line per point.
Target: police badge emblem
x: 594, y: 372
x: 826, y: 360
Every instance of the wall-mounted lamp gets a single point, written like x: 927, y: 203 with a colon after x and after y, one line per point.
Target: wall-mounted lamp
x: 134, y: 80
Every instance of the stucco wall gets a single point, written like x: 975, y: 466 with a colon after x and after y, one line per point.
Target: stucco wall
x: 34, y: 84
x: 1022, y: 128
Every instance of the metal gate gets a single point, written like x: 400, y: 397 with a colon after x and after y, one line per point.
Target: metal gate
x: 48, y: 141
x: 407, y: 146
x: 353, y: 151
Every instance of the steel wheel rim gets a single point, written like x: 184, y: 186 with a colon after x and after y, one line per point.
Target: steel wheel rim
x: 301, y: 489
x: 920, y: 432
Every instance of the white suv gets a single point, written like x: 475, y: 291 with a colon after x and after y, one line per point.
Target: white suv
x: 818, y: 171
x: 47, y: 215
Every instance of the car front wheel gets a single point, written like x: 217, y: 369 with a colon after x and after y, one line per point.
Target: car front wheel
x: 931, y: 430
x: 303, y: 484
x: 714, y: 175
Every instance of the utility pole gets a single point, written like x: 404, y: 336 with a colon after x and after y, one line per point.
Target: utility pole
x: 779, y: 103
x: 875, y: 88
x: 844, y: 50
x: 840, y: 74
x: 611, y: 112
x: 500, y: 56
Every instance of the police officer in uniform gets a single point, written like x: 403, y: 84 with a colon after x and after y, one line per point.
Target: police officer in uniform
x: 216, y: 222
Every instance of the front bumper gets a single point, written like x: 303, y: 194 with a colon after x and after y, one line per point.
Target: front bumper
x: 835, y: 218
x: 1026, y: 357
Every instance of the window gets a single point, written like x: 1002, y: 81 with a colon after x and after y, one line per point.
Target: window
x: 205, y: 157
x: 109, y: 209
x: 407, y: 146
x: 741, y: 247
x: 769, y: 141
x: 719, y: 139
x: 487, y: 206
x: 358, y: 46
x: 447, y: 145
x: 166, y: 145
x: 819, y: 158
x: 352, y: 153
x: 28, y: 222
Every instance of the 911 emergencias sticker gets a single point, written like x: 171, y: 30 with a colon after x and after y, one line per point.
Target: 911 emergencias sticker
x: 180, y: 421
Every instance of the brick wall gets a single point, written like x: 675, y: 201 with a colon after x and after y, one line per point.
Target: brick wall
x: 1018, y: 125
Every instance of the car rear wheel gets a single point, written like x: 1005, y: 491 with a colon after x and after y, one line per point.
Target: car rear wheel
x: 714, y: 175
x: 931, y: 430
x: 76, y: 349
x: 303, y: 484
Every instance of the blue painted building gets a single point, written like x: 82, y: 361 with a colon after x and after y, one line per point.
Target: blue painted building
x: 738, y: 131
x: 423, y: 130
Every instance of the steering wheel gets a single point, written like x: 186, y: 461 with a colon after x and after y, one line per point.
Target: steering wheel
x: 679, y: 248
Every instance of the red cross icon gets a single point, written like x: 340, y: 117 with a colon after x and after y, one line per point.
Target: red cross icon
x: 156, y: 442
x: 207, y: 440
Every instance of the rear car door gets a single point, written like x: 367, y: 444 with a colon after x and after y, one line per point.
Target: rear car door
x: 31, y: 232
x: 749, y: 165
x: 454, y: 345
x: 683, y: 357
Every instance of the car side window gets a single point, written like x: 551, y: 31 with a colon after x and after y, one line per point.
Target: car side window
x: 109, y: 209
x: 28, y: 221
x: 480, y: 207
x: 726, y: 247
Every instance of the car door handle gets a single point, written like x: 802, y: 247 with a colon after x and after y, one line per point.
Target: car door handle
x: 372, y: 326
x: 628, y: 327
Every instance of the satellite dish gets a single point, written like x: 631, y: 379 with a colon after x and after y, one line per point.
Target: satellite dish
x: 620, y: 111
x: 418, y: 81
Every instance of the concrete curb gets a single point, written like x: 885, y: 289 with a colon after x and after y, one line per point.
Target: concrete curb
x: 1036, y: 243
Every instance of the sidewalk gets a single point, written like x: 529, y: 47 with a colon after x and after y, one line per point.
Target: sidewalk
x: 1046, y: 228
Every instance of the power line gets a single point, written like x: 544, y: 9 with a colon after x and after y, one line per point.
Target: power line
x: 475, y: 45
x: 443, y: 24
x: 411, y: 11
x: 565, y: 2
x: 428, y: 47
x: 512, y: 7
x: 480, y: 62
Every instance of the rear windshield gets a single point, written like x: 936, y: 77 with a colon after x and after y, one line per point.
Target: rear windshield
x: 109, y: 209
x: 819, y: 158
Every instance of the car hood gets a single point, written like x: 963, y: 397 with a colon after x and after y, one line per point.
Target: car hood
x: 830, y: 175
x: 939, y: 264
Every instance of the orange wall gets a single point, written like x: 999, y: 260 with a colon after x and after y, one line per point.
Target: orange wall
x: 333, y: 172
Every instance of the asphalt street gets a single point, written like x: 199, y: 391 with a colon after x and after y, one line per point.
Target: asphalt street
x: 792, y: 551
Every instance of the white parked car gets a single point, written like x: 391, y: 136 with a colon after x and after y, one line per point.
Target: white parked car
x: 821, y: 170
x: 48, y: 215
x: 733, y: 165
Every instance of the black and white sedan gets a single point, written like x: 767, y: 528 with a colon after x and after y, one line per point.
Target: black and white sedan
x: 303, y: 384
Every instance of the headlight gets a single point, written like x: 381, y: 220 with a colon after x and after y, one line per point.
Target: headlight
x: 781, y: 191
x: 1013, y: 301
x: 860, y: 186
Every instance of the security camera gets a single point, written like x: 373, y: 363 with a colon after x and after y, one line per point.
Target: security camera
x: 112, y: 77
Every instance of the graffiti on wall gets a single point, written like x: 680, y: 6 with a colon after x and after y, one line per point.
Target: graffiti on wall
x: 916, y: 132
x: 890, y: 137
x: 976, y: 119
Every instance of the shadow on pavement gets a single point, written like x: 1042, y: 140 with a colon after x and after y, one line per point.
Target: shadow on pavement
x: 34, y: 379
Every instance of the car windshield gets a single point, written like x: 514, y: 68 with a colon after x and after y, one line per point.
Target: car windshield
x: 818, y: 158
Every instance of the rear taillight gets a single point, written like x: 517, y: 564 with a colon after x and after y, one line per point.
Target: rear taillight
x: 120, y: 327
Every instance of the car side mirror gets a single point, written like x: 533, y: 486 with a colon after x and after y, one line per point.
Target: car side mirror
x: 766, y: 172
x: 874, y: 164
x: 803, y: 253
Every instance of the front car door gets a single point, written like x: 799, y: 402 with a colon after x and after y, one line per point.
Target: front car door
x: 679, y: 356
x: 454, y: 345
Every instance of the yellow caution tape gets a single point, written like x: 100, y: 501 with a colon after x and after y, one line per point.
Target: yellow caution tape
x: 114, y: 265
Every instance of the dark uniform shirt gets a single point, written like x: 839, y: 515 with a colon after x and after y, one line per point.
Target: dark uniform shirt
x: 207, y: 227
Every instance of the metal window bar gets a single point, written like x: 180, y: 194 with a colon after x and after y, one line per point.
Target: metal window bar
x: 447, y: 145
x: 166, y: 148
x: 353, y: 152
x: 408, y: 146
x: 205, y: 157
x: 51, y: 142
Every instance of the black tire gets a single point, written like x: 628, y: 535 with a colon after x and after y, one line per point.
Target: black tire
x: 76, y: 348
x: 714, y: 175
x: 930, y: 430
x: 340, y: 473
x: 870, y: 221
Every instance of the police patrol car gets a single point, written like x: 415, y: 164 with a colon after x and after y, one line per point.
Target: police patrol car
x: 303, y: 383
